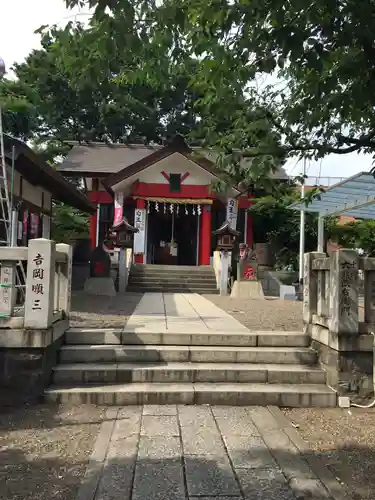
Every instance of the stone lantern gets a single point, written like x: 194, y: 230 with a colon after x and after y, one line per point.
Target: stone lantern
x: 122, y: 235
x: 226, y: 237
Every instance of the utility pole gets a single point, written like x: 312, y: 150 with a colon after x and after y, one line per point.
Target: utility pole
x: 302, y: 227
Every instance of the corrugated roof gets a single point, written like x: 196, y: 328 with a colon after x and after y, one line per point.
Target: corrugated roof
x: 103, y: 158
x: 354, y: 197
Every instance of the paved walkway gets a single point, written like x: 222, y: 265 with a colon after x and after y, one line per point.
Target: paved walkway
x: 202, y: 453
x: 181, y: 313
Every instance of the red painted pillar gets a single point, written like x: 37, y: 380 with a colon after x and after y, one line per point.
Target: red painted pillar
x: 249, y: 236
x: 93, y: 219
x: 139, y: 258
x: 205, y: 237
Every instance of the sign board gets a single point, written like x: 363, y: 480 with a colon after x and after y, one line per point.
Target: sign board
x: 119, y: 208
x: 140, y: 224
x: 232, y: 208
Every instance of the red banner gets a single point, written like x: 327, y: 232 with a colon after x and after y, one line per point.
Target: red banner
x: 34, y: 225
x: 119, y: 209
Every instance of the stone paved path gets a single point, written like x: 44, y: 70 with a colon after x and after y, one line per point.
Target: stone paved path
x: 199, y: 453
x: 180, y: 312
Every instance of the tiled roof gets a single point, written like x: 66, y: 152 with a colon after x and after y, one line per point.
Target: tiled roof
x: 100, y: 158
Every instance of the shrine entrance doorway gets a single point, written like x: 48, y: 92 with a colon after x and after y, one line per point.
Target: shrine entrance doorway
x: 172, y: 236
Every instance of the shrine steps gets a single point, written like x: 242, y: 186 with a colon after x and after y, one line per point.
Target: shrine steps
x: 239, y: 368
x: 172, y: 279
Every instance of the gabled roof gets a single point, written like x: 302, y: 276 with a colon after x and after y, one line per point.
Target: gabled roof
x: 101, y: 159
x: 178, y: 145
x: 38, y: 172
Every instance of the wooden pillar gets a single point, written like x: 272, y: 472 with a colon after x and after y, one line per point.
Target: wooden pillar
x: 93, y: 225
x: 205, y: 237
x: 249, y: 235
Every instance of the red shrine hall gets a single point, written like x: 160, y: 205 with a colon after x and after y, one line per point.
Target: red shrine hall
x: 166, y: 192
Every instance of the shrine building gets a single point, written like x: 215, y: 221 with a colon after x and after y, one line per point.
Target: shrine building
x: 166, y: 192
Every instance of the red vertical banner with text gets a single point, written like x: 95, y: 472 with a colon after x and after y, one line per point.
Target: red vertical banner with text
x: 34, y: 225
x: 119, y: 209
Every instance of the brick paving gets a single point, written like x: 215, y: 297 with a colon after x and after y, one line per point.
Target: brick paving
x: 176, y: 452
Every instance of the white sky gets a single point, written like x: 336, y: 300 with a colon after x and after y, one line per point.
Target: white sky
x: 20, y: 18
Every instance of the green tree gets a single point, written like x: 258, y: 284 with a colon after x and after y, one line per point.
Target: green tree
x: 357, y: 234
x: 278, y: 225
x: 322, y: 54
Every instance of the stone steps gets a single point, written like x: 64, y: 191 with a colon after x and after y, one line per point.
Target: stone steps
x: 172, y: 279
x: 136, y: 365
x: 108, y: 353
x: 290, y: 395
x: 112, y: 336
x: 170, y: 289
x: 111, y: 373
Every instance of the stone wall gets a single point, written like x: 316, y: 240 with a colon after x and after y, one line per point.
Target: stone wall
x: 26, y: 372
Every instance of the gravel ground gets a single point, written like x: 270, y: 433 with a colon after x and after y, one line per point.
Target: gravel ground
x: 346, y: 443
x: 262, y: 314
x: 45, y: 449
x: 107, y: 312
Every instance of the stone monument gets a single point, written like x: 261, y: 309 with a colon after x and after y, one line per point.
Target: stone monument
x: 247, y: 284
x: 100, y: 281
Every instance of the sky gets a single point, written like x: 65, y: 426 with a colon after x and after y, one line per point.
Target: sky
x: 20, y: 18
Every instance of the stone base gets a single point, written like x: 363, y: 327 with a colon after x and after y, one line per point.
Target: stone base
x: 247, y: 290
x: 25, y: 373
x: 100, y: 286
x: 348, y: 372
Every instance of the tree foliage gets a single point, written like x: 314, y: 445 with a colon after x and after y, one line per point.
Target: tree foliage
x: 279, y: 226
x: 357, y: 234
x: 321, y: 52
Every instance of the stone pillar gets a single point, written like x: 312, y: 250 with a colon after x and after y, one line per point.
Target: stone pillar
x: 65, y: 278
x: 369, y: 290
x: 344, y: 265
x: 225, y: 258
x: 40, y: 284
x: 123, y: 271
x: 310, y: 286
x: 205, y: 236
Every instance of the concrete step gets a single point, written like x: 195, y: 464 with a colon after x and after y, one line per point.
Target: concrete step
x: 190, y: 281
x: 196, y: 354
x: 110, y: 373
x: 170, y: 289
x: 92, y: 336
x: 149, y: 268
x: 303, y: 395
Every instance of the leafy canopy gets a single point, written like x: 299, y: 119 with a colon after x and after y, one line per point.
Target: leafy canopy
x: 322, y: 54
